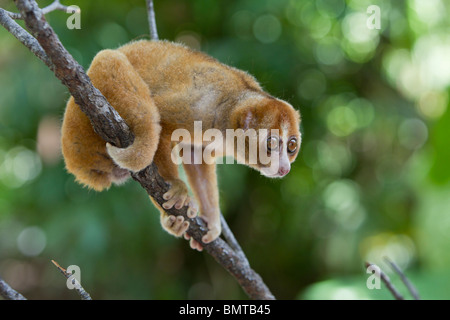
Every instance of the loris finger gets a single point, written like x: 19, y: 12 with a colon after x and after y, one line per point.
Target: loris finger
x: 194, y: 244
x: 192, y: 207
x: 176, y: 224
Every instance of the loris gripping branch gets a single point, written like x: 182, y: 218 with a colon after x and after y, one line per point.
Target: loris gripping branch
x: 158, y: 87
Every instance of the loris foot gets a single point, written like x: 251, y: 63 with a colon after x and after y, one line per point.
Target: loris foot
x: 214, y: 230
x: 174, y: 225
x: 193, y: 243
x: 178, y: 196
x: 214, y: 227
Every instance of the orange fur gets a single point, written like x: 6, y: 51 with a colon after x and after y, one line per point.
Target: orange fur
x: 157, y: 87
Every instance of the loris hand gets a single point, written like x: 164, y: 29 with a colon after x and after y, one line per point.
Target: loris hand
x: 177, y: 196
x: 214, y: 230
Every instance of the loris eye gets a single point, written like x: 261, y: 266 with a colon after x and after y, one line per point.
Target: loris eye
x: 292, y: 145
x: 272, y: 143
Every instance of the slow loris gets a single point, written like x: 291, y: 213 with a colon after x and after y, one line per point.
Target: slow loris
x: 159, y: 87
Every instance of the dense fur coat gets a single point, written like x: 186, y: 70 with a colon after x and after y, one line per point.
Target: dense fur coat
x: 158, y: 87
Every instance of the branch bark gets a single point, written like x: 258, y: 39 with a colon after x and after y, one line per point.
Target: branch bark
x: 27, y: 40
x: 408, y: 284
x: 387, y: 281
x: 9, y: 293
x: 112, y: 128
x: 152, y: 20
x: 56, y: 5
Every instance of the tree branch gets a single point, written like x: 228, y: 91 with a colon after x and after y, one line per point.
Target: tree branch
x: 112, y: 128
x: 387, y: 281
x: 23, y: 36
x: 152, y: 20
x: 229, y: 236
x: 405, y: 280
x: 9, y: 293
x: 56, y: 5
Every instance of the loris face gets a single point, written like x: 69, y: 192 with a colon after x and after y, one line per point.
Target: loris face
x: 278, y: 137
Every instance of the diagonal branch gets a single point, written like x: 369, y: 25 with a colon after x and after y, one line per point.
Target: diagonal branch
x: 23, y: 36
x: 112, y: 128
x: 387, y: 281
x: 229, y: 236
x: 9, y: 293
x: 405, y: 280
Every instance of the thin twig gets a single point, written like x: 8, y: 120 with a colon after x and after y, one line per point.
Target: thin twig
x: 9, y: 293
x: 405, y: 280
x: 387, y: 281
x: 23, y: 36
x: 152, y: 20
x: 229, y: 236
x: 77, y: 286
x: 56, y: 5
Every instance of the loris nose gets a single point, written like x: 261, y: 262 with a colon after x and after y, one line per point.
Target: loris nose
x: 283, y: 171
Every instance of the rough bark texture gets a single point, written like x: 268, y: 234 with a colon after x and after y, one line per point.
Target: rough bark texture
x: 9, y: 293
x: 111, y: 127
x: 27, y: 40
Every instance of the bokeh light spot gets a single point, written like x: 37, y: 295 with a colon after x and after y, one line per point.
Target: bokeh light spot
x: 267, y: 28
x: 342, y: 121
x: 31, y: 241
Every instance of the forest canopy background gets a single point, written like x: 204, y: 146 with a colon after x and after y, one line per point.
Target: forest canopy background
x: 372, y: 178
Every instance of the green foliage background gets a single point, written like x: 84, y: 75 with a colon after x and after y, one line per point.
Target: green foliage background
x: 372, y: 178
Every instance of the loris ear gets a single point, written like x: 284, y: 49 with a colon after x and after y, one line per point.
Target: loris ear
x: 298, y: 116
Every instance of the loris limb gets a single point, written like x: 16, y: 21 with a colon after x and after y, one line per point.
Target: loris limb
x: 86, y: 154
x: 203, y: 181
x: 178, y: 194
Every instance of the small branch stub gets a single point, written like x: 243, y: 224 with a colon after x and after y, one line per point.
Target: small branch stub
x: 152, y: 20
